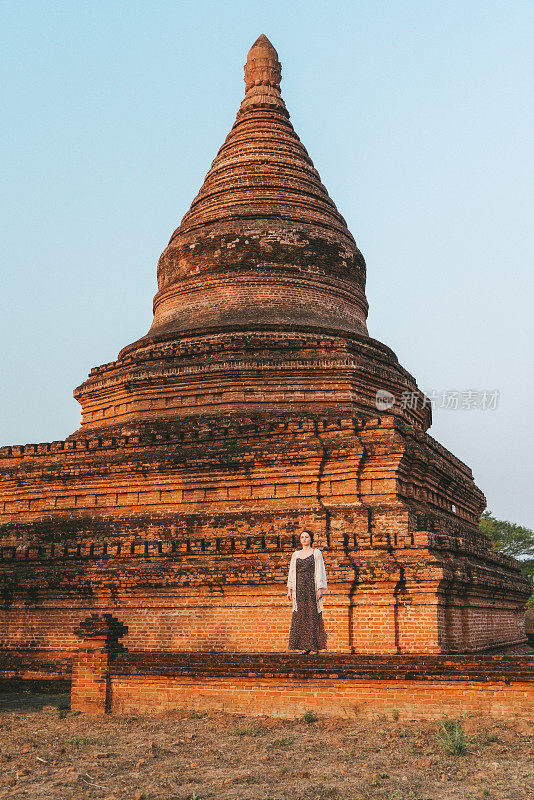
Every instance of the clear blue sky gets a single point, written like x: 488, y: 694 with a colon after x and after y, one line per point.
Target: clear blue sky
x: 419, y: 117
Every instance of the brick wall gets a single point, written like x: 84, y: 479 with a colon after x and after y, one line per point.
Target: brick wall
x: 290, y: 698
x: 331, y: 685
x: 187, y: 529
x: 252, y: 619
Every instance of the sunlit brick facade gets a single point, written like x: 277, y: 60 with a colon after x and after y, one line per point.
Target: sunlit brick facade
x: 247, y: 412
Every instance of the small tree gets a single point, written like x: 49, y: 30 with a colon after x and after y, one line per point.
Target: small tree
x: 511, y: 539
x: 527, y: 568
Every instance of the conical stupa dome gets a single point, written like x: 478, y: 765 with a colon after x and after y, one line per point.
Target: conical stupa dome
x: 263, y: 169
x: 262, y: 207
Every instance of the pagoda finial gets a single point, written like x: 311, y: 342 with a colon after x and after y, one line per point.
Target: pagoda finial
x: 262, y: 67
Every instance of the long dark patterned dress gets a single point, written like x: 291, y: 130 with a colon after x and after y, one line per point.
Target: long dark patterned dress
x: 307, y: 627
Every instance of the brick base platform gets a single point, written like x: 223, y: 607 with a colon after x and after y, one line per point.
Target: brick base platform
x: 108, y: 679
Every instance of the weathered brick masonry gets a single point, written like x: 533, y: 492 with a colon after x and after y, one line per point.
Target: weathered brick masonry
x: 247, y: 412
x: 108, y: 678
x: 289, y: 697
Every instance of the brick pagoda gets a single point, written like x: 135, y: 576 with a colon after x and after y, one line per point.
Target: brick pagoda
x: 248, y: 411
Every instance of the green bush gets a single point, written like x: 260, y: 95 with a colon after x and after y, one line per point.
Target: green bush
x: 452, y: 736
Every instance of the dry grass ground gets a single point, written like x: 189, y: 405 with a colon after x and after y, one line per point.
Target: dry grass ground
x: 52, y: 754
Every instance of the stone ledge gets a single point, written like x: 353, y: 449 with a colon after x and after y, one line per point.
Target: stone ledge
x: 472, y: 668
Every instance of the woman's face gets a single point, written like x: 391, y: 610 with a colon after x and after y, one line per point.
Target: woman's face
x: 305, y: 539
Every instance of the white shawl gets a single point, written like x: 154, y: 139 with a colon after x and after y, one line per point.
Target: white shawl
x: 320, y: 577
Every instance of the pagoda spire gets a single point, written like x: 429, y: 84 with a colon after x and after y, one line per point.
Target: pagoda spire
x: 262, y: 67
x: 263, y: 74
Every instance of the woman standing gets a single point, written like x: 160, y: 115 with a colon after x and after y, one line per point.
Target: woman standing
x: 305, y: 586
